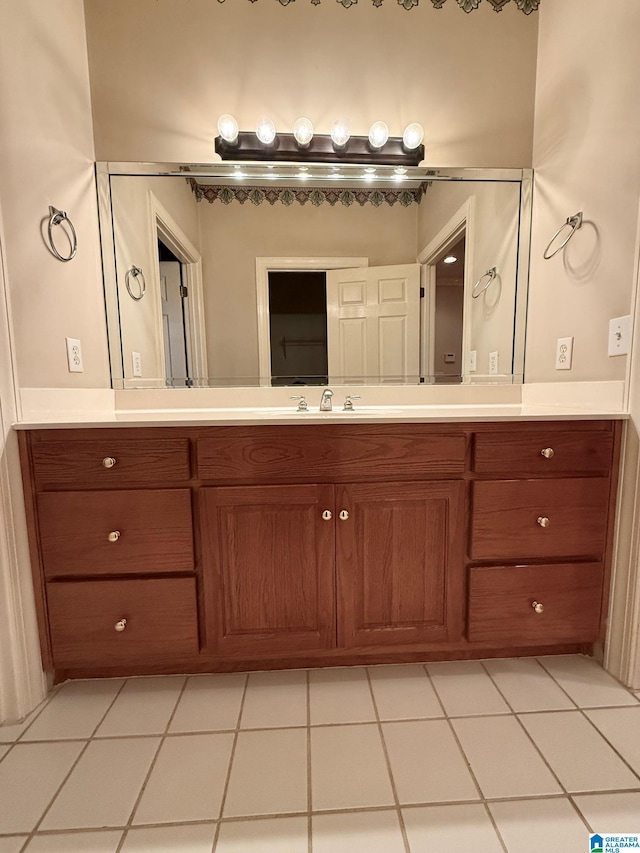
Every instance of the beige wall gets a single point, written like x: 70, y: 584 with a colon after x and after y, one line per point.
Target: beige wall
x: 46, y: 158
x: 587, y: 127
x: 162, y: 71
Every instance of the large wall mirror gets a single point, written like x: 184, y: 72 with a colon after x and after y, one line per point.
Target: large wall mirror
x: 282, y: 274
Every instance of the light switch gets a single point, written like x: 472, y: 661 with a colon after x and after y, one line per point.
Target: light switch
x: 620, y: 335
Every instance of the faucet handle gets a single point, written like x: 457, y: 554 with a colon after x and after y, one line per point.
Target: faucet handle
x: 303, y: 406
x: 348, y: 403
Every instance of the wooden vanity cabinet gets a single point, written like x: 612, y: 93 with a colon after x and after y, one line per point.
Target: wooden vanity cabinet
x: 213, y: 548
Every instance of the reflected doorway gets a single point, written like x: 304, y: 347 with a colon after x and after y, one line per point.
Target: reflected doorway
x: 175, y: 318
x: 449, y: 311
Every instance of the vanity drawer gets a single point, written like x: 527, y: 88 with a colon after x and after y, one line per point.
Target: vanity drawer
x: 339, y: 454
x: 502, y: 603
x: 542, y: 451
x: 161, y: 621
x: 521, y: 519
x: 116, y: 532
x: 105, y: 462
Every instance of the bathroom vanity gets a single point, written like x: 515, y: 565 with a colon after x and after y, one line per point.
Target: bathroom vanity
x: 202, y: 548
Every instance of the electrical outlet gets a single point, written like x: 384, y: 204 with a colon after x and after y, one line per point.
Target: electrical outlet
x: 74, y: 355
x: 620, y: 335
x: 473, y: 360
x: 493, y: 363
x: 136, y: 358
x: 564, y: 353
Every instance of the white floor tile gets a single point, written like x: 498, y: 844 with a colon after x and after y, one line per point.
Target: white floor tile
x: 348, y: 768
x: 621, y: 727
x: 426, y: 763
x: 586, y: 682
x: 276, y: 835
x: 527, y: 686
x: 268, y: 773
x: 275, y: 699
x: 209, y: 703
x: 465, y: 688
x: 197, y: 838
x: 462, y: 828
x: 503, y: 759
x: 75, y: 710
x: 11, y: 732
x: 580, y: 757
x: 611, y: 812
x: 104, y: 785
x: 340, y: 696
x: 143, y: 707
x: 187, y: 781
x: 12, y: 845
x: 522, y: 823
x: 404, y: 692
x: 357, y: 832
x: 29, y: 777
x: 77, y: 842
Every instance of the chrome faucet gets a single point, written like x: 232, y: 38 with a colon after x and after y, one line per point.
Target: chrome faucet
x: 325, y: 400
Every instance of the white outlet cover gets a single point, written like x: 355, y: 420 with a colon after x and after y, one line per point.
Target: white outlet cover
x: 493, y: 363
x: 136, y: 360
x: 473, y: 360
x: 564, y: 353
x: 620, y: 335
x: 74, y: 355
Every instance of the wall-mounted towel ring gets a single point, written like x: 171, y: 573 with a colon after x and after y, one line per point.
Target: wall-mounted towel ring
x: 490, y: 274
x: 141, y: 284
x: 57, y: 217
x: 573, y: 222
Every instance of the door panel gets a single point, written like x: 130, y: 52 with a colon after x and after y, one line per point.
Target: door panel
x: 400, y: 563
x: 270, y: 558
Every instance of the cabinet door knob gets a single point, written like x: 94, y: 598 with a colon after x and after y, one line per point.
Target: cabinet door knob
x: 344, y: 515
x: 548, y: 452
x: 109, y: 461
x: 121, y: 625
x: 114, y: 536
x: 327, y: 515
x: 543, y: 521
x: 538, y: 606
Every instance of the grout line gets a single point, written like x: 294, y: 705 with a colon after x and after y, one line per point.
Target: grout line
x: 579, y: 813
x: 152, y: 766
x: 37, y: 711
x: 309, y: 799
x: 592, y: 662
x: 231, y: 760
x: 396, y: 798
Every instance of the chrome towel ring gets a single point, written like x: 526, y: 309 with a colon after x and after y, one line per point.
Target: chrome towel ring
x: 573, y: 222
x: 138, y: 276
x: 57, y: 217
x: 490, y: 274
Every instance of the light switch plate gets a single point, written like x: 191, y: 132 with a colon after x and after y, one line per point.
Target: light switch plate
x: 493, y: 363
x: 564, y: 353
x: 136, y: 359
x: 74, y: 355
x: 473, y: 360
x: 620, y: 335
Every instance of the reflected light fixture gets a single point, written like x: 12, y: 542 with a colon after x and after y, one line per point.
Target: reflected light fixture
x: 450, y: 259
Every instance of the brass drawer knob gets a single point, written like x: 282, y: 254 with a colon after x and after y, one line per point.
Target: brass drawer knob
x: 538, y: 606
x: 120, y: 626
x: 543, y: 521
x: 109, y: 461
x: 327, y: 515
x: 344, y: 515
x: 547, y: 452
x: 114, y: 536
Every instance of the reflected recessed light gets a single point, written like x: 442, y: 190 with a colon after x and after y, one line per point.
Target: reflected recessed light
x: 450, y: 259
x: 400, y: 170
x: 371, y: 169
x: 304, y: 168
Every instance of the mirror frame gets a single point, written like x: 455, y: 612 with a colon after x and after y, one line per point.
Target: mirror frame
x: 224, y: 170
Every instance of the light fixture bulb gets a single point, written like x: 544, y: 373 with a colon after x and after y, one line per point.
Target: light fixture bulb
x: 413, y: 136
x: 450, y: 259
x: 266, y: 131
x: 340, y: 133
x: 303, y: 132
x: 378, y: 134
x: 228, y: 128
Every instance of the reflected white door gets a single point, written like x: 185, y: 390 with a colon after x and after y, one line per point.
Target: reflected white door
x: 175, y: 356
x: 373, y: 324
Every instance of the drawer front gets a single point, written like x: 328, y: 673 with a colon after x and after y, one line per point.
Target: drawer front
x: 502, y: 603
x: 528, y: 519
x: 543, y: 451
x: 110, y: 461
x: 342, y: 454
x: 114, y: 532
x: 161, y: 621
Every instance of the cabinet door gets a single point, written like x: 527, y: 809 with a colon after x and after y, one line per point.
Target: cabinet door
x: 269, y: 568
x: 400, y: 563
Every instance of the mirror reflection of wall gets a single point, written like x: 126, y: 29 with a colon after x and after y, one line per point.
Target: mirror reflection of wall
x: 448, y: 344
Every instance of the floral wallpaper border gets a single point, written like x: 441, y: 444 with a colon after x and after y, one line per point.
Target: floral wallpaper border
x: 301, y: 195
x: 526, y: 6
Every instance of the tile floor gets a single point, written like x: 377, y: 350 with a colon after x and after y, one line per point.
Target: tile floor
x: 475, y: 756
